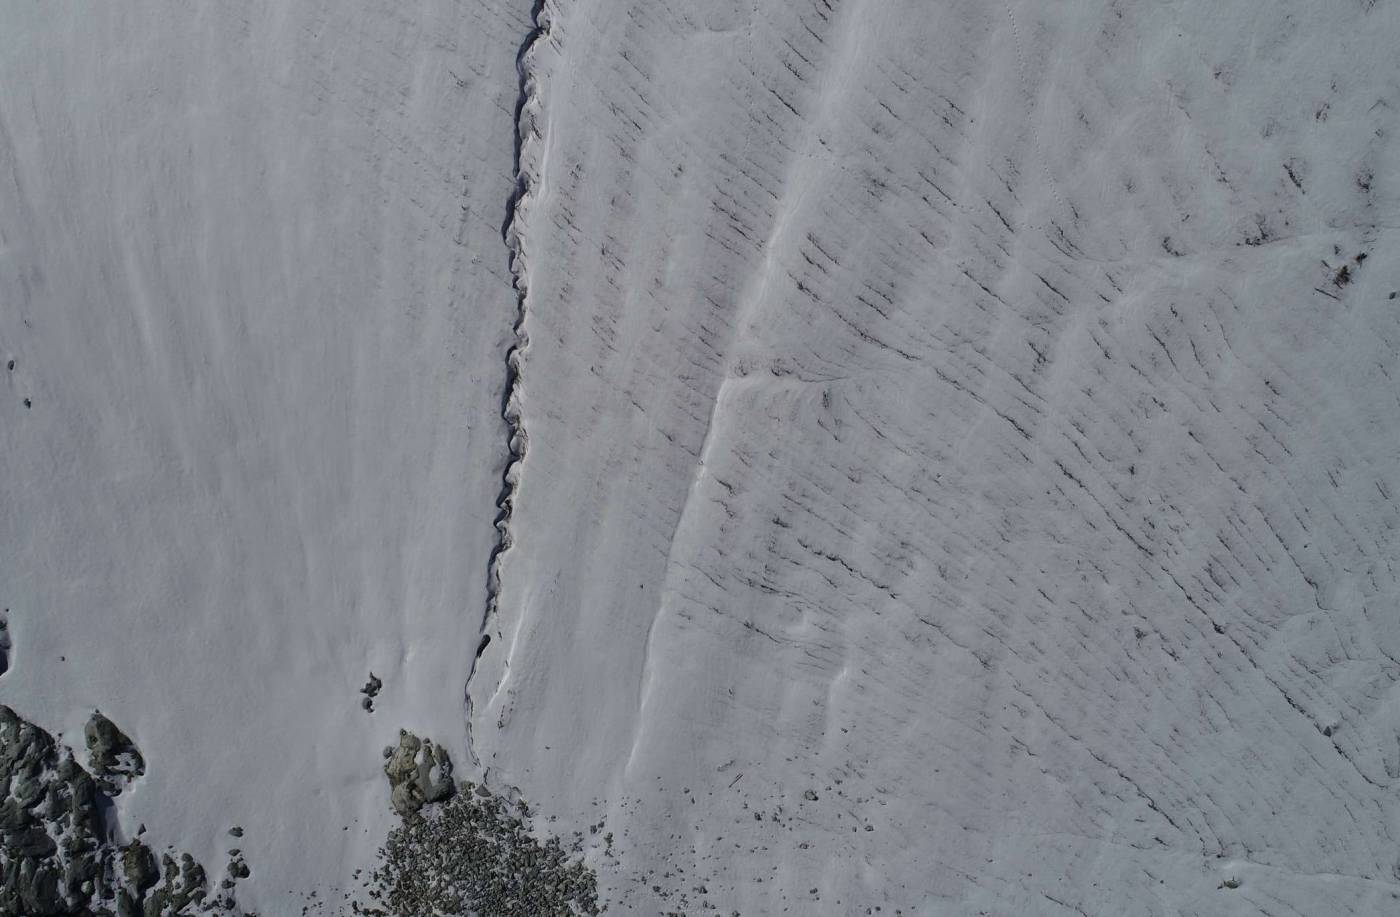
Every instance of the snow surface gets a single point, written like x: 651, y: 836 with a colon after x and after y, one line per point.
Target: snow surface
x: 949, y: 470
x: 253, y: 281
x: 950, y: 409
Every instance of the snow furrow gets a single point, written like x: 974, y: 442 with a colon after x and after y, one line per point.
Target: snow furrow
x: 1009, y: 518
x: 527, y: 141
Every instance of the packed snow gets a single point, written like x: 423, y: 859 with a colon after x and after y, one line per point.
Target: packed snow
x: 836, y: 456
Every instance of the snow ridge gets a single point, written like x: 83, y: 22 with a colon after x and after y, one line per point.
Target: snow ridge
x: 527, y: 157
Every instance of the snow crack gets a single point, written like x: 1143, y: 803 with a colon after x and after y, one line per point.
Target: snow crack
x: 526, y: 170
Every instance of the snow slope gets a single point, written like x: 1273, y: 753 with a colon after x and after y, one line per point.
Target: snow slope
x: 961, y: 478
x: 252, y: 279
x: 960, y: 474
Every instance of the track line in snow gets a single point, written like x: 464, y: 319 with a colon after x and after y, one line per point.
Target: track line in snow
x: 1030, y: 96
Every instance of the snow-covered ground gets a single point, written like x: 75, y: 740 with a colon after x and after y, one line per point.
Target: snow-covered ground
x: 959, y: 439
x: 253, y: 282
x: 953, y: 410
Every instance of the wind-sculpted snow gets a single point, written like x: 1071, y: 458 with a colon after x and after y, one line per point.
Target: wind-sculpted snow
x: 962, y: 473
x: 254, y: 291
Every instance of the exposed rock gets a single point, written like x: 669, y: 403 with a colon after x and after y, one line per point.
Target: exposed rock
x: 56, y: 852
x: 32, y: 841
x: 419, y: 773
x: 114, y: 756
x: 5, y: 642
x: 370, y: 692
x: 139, y: 866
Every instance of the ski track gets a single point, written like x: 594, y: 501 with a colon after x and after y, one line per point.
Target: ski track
x: 1031, y: 113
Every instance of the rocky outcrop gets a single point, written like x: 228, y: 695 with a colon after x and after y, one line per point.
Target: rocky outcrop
x: 6, y: 644
x: 419, y: 773
x: 371, y: 691
x: 58, y: 855
x: 113, y: 756
x: 183, y: 889
x: 50, y: 829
